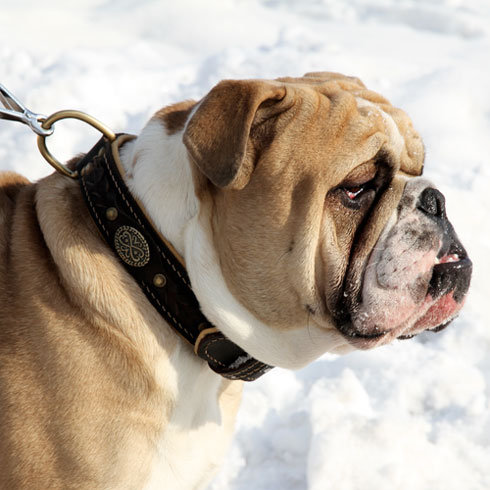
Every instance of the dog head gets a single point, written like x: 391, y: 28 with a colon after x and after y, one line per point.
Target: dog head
x: 315, y: 230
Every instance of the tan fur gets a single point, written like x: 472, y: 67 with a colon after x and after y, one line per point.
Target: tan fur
x: 176, y: 115
x: 78, y: 343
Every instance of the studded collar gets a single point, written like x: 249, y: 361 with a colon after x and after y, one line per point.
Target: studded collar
x: 153, y: 262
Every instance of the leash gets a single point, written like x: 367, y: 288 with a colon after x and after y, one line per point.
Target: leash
x: 142, y: 250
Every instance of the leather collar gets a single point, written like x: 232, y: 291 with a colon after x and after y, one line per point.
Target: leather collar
x: 153, y: 262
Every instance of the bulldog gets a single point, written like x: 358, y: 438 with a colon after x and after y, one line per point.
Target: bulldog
x: 298, y: 210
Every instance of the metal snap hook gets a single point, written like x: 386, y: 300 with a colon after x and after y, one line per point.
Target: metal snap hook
x: 16, y: 111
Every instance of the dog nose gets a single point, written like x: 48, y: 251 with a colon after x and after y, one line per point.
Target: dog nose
x: 432, y: 202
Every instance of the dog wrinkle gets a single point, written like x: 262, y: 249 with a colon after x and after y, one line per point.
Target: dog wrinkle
x: 11, y: 184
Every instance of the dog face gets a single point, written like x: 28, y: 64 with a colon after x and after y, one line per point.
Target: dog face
x: 318, y: 212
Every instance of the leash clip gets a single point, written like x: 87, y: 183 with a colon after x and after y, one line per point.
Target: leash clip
x: 16, y: 111
x: 43, y: 126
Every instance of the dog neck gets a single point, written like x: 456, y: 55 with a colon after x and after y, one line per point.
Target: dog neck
x: 160, y: 176
x: 158, y: 173
x: 169, y: 289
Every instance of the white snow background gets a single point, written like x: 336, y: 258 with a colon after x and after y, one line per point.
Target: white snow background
x: 412, y: 415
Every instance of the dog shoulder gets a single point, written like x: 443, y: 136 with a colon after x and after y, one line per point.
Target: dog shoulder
x: 10, y: 185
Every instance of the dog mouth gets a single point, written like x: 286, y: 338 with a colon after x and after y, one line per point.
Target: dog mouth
x: 444, y: 298
x: 447, y: 290
x: 451, y: 272
x: 448, y: 259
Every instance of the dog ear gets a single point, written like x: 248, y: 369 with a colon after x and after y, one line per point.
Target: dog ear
x: 218, y: 135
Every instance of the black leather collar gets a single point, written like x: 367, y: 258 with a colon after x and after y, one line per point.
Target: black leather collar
x: 153, y: 262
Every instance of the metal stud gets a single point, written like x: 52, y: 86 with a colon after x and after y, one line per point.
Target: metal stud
x: 111, y: 214
x: 159, y: 280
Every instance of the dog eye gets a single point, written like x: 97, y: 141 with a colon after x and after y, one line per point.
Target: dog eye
x: 353, y: 192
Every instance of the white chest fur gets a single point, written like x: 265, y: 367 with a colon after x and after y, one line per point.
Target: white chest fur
x: 204, y: 405
x: 193, y: 444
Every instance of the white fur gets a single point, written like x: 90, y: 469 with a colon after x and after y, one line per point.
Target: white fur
x: 159, y: 174
x: 195, y: 440
x: 193, y: 443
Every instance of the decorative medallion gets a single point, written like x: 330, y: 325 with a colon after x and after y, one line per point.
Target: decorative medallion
x: 131, y: 246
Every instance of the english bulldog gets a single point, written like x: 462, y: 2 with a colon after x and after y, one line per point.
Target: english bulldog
x: 296, y: 206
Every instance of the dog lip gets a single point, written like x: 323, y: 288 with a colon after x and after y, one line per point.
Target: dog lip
x: 463, y: 263
x: 448, y: 258
x: 370, y: 336
x: 349, y: 331
x: 440, y: 327
x: 451, y: 276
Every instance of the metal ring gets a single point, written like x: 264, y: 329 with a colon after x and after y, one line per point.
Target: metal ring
x: 57, y: 116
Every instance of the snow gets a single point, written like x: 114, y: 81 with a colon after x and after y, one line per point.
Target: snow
x: 413, y: 415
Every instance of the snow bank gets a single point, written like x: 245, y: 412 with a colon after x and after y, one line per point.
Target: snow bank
x: 414, y: 415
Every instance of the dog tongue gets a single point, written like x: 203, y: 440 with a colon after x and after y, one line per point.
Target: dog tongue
x: 443, y: 310
x: 448, y: 258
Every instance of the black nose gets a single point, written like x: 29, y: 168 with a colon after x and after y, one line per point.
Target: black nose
x: 432, y: 202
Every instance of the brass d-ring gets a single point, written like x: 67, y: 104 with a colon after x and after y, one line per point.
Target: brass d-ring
x: 57, y: 116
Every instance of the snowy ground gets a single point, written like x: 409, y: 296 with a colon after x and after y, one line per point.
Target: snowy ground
x: 414, y: 415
